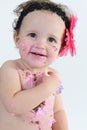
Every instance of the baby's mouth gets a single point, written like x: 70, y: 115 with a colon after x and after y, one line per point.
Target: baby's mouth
x: 38, y: 54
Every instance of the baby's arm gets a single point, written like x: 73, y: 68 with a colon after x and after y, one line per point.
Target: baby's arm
x: 59, y: 115
x: 19, y: 101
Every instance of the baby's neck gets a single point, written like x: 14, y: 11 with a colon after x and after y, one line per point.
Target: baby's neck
x: 23, y: 66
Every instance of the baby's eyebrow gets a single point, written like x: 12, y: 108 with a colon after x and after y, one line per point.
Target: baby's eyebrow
x: 31, y: 31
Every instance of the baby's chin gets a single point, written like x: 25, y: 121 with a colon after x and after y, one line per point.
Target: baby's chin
x: 37, y: 62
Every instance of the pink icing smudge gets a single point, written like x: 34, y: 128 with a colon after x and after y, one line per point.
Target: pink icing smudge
x: 33, y: 116
x: 55, y: 48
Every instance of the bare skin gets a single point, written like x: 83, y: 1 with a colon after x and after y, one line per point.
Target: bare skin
x: 8, y: 119
x: 16, y: 103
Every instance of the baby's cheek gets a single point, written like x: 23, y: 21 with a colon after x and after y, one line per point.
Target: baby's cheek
x: 23, y: 47
x: 55, y: 49
x: 54, y: 53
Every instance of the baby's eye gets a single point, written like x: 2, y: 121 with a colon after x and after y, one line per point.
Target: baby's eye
x: 33, y: 35
x: 52, y: 40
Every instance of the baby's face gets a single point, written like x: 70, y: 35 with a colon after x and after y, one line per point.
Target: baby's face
x: 40, y: 38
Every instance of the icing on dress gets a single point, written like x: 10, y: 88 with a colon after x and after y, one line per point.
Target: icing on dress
x: 42, y: 116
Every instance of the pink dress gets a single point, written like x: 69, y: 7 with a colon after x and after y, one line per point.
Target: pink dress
x: 41, y: 117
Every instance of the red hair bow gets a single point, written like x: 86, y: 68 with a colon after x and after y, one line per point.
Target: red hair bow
x: 69, y: 39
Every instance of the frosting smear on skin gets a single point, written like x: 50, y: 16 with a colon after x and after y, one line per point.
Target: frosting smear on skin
x: 36, y: 54
x: 45, y: 109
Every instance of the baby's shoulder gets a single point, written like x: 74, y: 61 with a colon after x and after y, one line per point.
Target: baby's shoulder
x: 8, y: 70
x: 7, y: 66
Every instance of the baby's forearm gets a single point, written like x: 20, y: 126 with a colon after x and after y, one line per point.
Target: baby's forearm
x: 61, y: 121
x: 26, y: 100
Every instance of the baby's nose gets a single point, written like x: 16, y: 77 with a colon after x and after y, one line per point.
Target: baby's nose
x: 41, y: 41
x: 40, y: 44
x: 39, y: 48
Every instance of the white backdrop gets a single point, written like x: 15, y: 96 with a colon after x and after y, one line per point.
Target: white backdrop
x: 73, y: 70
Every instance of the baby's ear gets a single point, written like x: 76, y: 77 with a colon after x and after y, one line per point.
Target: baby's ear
x: 16, y: 39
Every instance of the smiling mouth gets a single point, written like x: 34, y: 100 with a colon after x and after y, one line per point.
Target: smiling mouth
x: 38, y: 54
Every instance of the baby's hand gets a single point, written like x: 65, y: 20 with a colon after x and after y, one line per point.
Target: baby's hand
x: 51, y: 81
